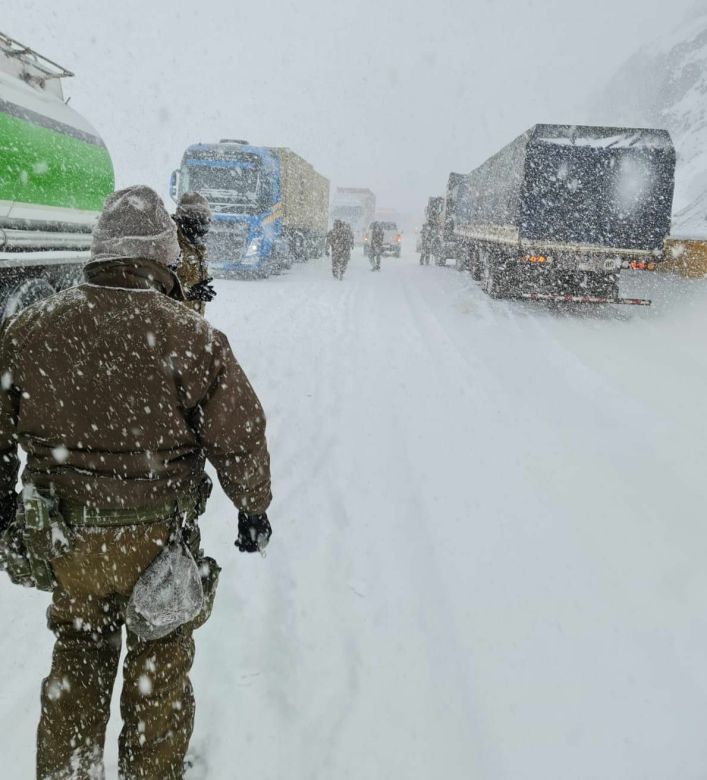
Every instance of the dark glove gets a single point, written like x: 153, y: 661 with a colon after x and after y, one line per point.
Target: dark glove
x: 254, y: 532
x: 202, y: 291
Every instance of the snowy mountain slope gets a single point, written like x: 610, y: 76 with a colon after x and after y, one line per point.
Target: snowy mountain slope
x: 665, y: 85
x: 488, y: 558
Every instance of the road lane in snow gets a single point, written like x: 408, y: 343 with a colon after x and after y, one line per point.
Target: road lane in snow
x: 488, y: 539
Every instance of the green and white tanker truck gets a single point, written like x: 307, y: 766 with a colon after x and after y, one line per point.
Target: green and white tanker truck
x: 55, y: 173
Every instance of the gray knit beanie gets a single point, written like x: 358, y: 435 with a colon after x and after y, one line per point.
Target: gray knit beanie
x: 135, y: 224
x: 192, y: 205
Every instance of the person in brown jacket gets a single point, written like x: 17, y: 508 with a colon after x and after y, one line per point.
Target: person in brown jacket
x: 193, y: 218
x: 118, y: 393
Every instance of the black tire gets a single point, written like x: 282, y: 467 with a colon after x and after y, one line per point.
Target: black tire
x: 603, y: 286
x: 298, y: 247
x: 492, y: 282
x: 475, y: 265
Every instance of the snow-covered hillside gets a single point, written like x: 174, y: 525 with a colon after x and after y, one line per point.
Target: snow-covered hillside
x: 664, y: 84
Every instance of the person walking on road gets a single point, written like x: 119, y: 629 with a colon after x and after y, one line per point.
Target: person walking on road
x: 350, y: 234
x: 193, y: 219
x: 376, y: 246
x: 426, y: 241
x: 339, y: 243
x: 119, y: 393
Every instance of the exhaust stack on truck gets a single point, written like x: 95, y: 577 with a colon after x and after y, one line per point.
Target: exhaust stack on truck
x: 557, y: 213
x: 55, y: 173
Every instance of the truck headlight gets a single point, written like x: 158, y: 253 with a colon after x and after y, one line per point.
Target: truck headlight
x: 254, y: 247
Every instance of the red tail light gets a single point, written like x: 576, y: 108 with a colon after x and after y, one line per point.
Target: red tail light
x: 641, y: 265
x: 397, y: 238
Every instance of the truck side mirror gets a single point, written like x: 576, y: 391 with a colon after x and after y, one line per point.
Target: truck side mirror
x: 173, y: 185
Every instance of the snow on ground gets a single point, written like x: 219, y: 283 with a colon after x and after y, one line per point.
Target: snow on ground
x: 488, y: 550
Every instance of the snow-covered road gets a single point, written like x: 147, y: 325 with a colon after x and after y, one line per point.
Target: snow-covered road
x: 489, y: 535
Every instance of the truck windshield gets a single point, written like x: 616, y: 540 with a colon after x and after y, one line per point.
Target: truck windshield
x: 234, y: 181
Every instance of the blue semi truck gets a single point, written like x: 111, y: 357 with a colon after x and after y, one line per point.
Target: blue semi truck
x: 270, y: 207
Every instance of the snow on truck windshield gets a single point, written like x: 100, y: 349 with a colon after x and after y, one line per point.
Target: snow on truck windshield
x: 224, y: 180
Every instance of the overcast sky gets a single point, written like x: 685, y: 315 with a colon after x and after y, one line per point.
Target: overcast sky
x: 387, y: 94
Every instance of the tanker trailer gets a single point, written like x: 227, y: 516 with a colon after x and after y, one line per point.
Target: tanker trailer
x: 55, y: 173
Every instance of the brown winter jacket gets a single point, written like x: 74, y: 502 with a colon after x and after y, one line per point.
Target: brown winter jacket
x: 117, y: 393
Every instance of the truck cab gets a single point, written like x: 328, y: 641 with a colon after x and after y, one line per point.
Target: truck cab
x: 240, y: 182
x: 269, y: 206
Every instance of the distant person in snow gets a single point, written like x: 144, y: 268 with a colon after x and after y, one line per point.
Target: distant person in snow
x: 339, y: 243
x: 193, y: 220
x: 351, y: 234
x: 426, y: 243
x: 119, y: 393
x: 375, y: 248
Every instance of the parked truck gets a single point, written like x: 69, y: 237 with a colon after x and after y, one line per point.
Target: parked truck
x: 270, y: 207
x: 451, y: 246
x: 357, y: 207
x: 560, y: 211
x: 434, y: 227
x: 55, y: 173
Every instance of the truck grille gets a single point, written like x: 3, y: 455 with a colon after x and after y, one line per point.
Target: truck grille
x: 226, y: 244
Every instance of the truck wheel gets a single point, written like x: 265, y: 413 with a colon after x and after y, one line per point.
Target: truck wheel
x: 492, y: 282
x: 475, y: 265
x: 26, y: 293
x: 604, y: 285
x: 299, y: 249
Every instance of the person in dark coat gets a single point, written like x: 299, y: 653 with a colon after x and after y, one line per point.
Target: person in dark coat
x: 426, y: 242
x: 375, y: 249
x: 339, y: 243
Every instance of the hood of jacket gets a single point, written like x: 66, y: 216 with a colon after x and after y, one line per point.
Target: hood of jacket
x: 134, y: 274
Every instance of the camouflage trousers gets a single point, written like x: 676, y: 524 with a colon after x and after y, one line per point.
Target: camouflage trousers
x: 339, y: 264
x: 95, y: 580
